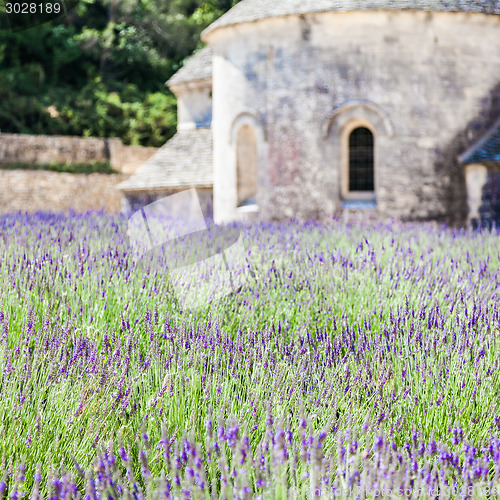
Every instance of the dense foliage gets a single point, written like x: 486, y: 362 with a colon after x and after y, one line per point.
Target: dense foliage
x: 353, y: 358
x: 100, y: 70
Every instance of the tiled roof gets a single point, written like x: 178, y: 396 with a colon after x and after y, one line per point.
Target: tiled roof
x: 253, y: 10
x: 196, y: 67
x: 184, y: 161
x: 487, y: 149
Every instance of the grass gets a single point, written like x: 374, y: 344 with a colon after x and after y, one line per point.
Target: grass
x: 96, y: 167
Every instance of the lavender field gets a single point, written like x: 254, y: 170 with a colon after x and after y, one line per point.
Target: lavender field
x: 356, y: 362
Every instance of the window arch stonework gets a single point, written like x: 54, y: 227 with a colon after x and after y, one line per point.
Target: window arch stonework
x: 338, y: 129
x: 246, y: 165
x: 248, y: 145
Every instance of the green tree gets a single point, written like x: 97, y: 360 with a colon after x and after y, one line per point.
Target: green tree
x: 100, y: 70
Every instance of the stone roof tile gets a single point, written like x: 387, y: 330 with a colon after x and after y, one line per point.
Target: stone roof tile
x: 183, y: 161
x: 253, y: 10
x: 196, y: 67
x: 487, y: 149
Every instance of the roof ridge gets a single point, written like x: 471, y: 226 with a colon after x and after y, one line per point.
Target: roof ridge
x: 255, y: 10
x: 198, y: 66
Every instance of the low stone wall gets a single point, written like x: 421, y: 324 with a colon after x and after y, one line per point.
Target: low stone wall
x: 30, y: 191
x: 40, y: 149
x: 127, y: 159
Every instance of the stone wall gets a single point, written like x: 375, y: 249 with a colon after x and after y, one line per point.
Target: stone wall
x: 127, y: 159
x: 30, y: 191
x: 25, y: 190
x: 428, y: 84
x: 42, y: 149
x: 194, y: 104
x: 483, y: 190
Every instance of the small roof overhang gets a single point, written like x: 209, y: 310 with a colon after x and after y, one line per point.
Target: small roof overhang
x: 486, y: 150
x: 185, y: 161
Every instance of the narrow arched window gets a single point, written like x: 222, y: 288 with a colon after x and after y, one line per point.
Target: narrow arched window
x: 361, y: 176
x: 246, y: 165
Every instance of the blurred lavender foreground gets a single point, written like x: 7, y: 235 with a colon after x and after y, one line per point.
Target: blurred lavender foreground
x: 352, y: 362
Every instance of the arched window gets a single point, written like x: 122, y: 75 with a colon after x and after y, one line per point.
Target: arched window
x: 361, y: 177
x: 246, y: 165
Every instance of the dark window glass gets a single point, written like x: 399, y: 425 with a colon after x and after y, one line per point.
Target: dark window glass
x: 361, y: 160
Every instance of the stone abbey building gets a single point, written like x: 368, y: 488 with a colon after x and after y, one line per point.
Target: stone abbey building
x: 307, y: 108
